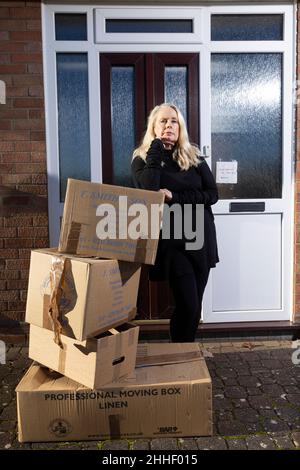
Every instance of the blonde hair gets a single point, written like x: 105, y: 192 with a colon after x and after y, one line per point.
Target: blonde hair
x: 185, y: 153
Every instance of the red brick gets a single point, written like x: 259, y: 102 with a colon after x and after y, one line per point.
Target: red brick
x: 24, y: 273
x: 29, y: 103
x: 14, y: 135
x: 34, y: 25
x: 38, y: 146
x: 29, y: 124
x: 13, y: 25
x: 28, y: 12
x: 6, y: 146
x: 23, y: 146
x: 26, y: 36
x: 15, y: 179
x: 34, y: 3
x: 4, y: 59
x: 27, y: 80
x: 10, y: 295
x: 35, y: 68
x: 3, y: 285
x: 32, y: 232
x: 3, y: 306
x: 6, y: 168
x: 5, y: 125
x: 14, y: 114
x: 17, y: 264
x: 9, y: 253
x: 33, y: 46
x: 38, y: 135
x: 41, y: 178
x: 17, y: 284
x: 8, y: 232
x: 36, y: 91
x: 16, y: 305
x: 9, y: 274
x: 18, y: 221
x: 19, y: 243
x: 23, y: 295
x: 39, y: 190
x: 40, y: 220
x: 26, y: 58
x: 10, y: 46
x: 30, y: 168
x: 37, y: 114
x: 24, y: 253
x: 15, y: 157
x: 15, y: 92
x: 13, y: 68
x: 4, y: 12
x: 4, y: 35
x: 15, y: 4
x: 41, y: 243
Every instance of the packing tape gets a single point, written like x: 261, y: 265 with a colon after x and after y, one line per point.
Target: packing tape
x: 57, y: 281
x: 114, y: 426
x: 46, y: 322
x: 62, y: 358
x: 73, y: 238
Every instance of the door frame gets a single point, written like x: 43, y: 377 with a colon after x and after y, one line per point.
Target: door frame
x: 204, y: 48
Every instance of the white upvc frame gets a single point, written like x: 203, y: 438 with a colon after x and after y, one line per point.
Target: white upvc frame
x: 50, y: 48
x: 205, y: 49
x: 145, y: 13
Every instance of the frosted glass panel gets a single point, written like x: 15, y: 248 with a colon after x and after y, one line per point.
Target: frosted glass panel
x: 73, y: 118
x: 176, y: 89
x: 246, y: 27
x: 247, y: 122
x: 70, y: 27
x: 123, y: 122
x: 148, y: 26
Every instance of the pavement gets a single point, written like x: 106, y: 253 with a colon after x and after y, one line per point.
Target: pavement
x: 256, y: 400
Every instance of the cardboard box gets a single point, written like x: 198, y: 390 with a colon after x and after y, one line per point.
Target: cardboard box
x: 96, y: 294
x: 84, y: 216
x: 155, y: 401
x: 93, y: 362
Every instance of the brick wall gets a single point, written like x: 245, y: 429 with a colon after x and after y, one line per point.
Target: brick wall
x: 22, y: 148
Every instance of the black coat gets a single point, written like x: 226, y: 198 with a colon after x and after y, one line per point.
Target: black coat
x: 193, y: 186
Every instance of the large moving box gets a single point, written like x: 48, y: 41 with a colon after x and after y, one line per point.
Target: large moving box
x: 155, y: 401
x: 132, y: 217
x: 96, y: 294
x: 93, y: 362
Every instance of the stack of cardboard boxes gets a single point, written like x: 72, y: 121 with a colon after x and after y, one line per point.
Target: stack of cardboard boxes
x: 96, y: 381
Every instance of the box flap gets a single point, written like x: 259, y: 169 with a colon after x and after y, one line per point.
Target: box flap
x: 149, y: 354
x: 83, y: 222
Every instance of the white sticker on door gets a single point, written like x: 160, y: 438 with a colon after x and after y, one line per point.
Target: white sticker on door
x: 226, y: 172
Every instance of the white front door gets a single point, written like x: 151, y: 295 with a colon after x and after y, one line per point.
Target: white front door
x: 251, y: 149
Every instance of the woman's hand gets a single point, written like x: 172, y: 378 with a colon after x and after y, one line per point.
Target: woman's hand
x: 168, y: 144
x: 167, y: 193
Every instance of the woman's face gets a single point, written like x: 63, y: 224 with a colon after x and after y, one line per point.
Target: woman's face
x: 166, y: 125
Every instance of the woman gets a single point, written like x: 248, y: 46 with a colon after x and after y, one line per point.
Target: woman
x: 166, y: 161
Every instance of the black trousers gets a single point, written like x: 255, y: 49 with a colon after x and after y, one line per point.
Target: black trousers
x: 187, y: 283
